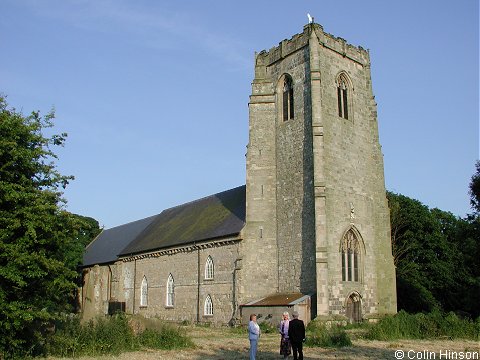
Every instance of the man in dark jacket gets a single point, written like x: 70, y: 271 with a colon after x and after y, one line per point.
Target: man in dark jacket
x: 296, y: 334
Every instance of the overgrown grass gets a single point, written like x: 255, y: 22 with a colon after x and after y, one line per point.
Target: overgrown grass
x: 112, y: 335
x: 320, y: 335
x: 267, y: 328
x: 239, y: 330
x: 424, y: 326
x: 168, y: 337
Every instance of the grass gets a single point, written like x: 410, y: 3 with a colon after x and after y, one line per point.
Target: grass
x: 111, y: 335
x: 433, y: 325
x: 120, y: 333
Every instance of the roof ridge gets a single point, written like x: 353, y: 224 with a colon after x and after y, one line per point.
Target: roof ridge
x: 200, y: 199
x: 132, y: 222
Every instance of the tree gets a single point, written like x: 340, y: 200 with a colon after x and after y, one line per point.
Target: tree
x: 425, y: 255
x: 436, y: 255
x: 475, y: 189
x: 469, y: 238
x: 37, y: 234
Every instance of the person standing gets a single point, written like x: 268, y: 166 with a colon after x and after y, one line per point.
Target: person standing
x: 285, y: 348
x: 296, y: 334
x: 253, y: 335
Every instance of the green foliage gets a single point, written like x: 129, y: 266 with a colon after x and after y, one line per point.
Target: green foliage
x: 111, y: 336
x: 103, y: 336
x: 474, y: 188
x: 424, y: 326
x: 167, y: 337
x: 267, y: 328
x: 239, y: 330
x: 434, y: 253
x: 319, y: 335
x: 38, y: 253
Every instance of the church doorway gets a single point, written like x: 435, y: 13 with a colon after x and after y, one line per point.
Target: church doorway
x: 354, y: 308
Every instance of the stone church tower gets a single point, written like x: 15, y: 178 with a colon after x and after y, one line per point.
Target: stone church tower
x: 317, y: 218
x: 309, y: 232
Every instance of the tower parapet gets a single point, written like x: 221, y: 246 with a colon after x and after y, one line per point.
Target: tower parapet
x: 328, y: 41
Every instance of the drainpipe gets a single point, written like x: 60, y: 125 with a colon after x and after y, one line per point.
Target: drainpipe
x: 198, y: 285
x: 134, y: 283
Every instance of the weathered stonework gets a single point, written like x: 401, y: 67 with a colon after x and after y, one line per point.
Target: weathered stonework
x: 311, y: 178
x: 187, y: 266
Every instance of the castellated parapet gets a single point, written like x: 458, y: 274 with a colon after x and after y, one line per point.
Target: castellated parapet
x: 299, y: 41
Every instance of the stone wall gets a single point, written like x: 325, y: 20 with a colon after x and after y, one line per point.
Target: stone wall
x: 191, y: 287
x: 187, y: 266
x: 311, y: 178
x: 95, y: 291
x: 259, y: 274
x: 354, y: 183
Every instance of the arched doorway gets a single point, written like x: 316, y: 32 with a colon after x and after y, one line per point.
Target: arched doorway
x: 354, y: 308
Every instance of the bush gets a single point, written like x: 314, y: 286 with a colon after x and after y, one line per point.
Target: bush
x: 424, y: 326
x: 319, y: 335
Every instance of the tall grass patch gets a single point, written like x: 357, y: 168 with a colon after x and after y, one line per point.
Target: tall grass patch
x: 165, y: 337
x: 433, y: 325
x: 111, y: 335
x: 319, y: 335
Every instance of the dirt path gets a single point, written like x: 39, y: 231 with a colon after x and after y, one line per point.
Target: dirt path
x: 223, y: 344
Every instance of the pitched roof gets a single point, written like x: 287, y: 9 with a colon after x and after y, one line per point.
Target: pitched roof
x: 108, y: 244
x: 214, y: 216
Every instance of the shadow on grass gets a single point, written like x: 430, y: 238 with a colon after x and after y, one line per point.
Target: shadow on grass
x: 353, y: 352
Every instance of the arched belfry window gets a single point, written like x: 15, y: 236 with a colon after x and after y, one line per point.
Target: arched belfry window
x: 351, y: 257
x: 209, y: 268
x: 343, y: 95
x: 170, y: 291
x: 287, y: 98
x: 208, y: 306
x: 144, y: 292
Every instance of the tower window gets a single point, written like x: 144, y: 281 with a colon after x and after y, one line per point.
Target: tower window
x: 342, y: 96
x: 209, y: 268
x: 208, y: 306
x: 350, y: 257
x: 170, y: 291
x: 287, y: 99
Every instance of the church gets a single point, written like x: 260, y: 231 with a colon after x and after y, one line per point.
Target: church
x: 310, y: 230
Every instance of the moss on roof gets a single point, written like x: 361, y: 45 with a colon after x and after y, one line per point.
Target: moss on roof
x: 214, y: 216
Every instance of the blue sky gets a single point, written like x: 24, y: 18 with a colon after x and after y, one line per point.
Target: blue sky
x: 154, y: 94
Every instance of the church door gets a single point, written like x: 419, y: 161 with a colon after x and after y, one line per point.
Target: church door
x: 354, y: 308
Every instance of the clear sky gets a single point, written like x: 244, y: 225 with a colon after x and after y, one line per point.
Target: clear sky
x: 154, y: 94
